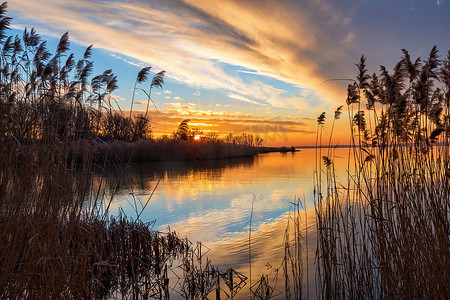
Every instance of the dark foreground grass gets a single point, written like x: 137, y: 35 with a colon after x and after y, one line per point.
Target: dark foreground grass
x: 385, y: 233
x: 58, y: 241
x: 85, y: 258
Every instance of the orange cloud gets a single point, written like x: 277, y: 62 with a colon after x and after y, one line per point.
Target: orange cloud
x: 275, y: 132
x: 191, y: 39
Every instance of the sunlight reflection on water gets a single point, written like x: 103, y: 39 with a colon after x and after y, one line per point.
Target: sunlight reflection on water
x: 211, y: 202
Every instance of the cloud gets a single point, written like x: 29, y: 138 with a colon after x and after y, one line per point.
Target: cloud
x: 178, y: 109
x: 193, y: 39
x: 274, y: 131
x: 167, y: 92
x: 177, y: 106
x: 242, y: 98
x: 118, y: 98
x: 197, y: 93
x: 128, y: 61
x: 199, y: 42
x: 202, y: 124
x: 349, y: 38
x: 177, y: 98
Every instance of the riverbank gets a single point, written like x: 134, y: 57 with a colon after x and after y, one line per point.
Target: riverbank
x: 149, y: 150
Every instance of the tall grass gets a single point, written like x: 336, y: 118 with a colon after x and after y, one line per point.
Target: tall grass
x: 385, y: 233
x: 48, y: 97
x: 57, y: 238
x: 58, y: 127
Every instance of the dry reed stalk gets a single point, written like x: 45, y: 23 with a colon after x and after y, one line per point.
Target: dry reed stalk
x: 383, y: 234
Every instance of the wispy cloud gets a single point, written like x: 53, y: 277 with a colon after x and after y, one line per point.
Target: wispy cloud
x: 302, y: 43
x: 242, y: 98
x: 177, y: 109
x: 128, y: 61
x: 191, y: 39
x: 118, y: 98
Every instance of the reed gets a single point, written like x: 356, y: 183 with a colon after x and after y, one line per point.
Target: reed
x: 47, y: 97
x: 58, y: 128
x: 385, y: 233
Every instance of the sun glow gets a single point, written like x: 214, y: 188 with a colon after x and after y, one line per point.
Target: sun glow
x: 197, y: 138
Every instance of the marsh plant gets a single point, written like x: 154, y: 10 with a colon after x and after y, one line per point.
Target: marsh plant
x: 58, y: 239
x: 385, y: 232
x: 50, y: 97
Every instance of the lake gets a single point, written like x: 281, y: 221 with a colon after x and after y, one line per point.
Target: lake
x: 212, y: 202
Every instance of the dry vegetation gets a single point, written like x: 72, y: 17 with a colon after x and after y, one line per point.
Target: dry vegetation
x: 385, y: 233
x: 58, y: 240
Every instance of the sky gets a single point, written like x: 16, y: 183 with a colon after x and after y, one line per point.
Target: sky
x: 243, y: 66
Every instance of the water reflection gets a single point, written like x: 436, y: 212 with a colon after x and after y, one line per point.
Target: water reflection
x: 267, y: 253
x: 212, y: 202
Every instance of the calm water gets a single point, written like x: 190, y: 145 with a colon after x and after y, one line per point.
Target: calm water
x: 212, y: 203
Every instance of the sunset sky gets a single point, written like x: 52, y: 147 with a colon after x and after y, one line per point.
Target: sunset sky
x: 241, y: 66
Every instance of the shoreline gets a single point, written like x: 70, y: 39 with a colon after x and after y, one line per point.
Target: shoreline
x: 169, y: 150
